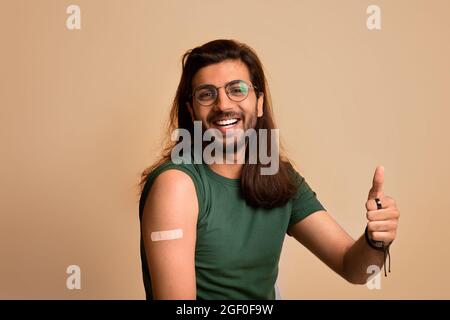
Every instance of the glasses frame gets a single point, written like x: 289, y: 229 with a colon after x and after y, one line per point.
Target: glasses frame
x: 250, y: 85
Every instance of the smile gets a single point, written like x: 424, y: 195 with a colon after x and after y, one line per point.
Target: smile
x: 226, y: 122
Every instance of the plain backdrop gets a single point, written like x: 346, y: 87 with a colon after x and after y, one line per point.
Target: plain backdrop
x: 82, y: 114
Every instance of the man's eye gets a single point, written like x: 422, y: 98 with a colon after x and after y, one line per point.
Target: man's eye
x: 205, y: 95
x: 238, y: 90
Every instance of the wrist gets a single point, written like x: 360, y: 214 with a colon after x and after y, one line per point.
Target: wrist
x: 377, y: 245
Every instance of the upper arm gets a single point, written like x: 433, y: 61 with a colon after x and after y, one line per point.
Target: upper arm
x: 324, y: 237
x: 171, y: 204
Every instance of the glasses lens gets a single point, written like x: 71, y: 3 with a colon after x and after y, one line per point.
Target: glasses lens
x: 206, y: 95
x: 237, y: 90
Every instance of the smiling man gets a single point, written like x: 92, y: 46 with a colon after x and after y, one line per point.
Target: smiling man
x: 216, y: 230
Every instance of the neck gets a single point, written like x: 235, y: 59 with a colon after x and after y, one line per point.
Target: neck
x: 231, y: 171
x: 232, y: 165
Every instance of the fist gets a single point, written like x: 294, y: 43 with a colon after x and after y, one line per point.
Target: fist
x: 382, y: 223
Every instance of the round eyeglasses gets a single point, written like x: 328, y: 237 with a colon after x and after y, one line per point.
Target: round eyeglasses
x: 236, y: 90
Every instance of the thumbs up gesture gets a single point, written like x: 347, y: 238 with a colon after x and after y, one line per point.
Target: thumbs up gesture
x: 382, y: 222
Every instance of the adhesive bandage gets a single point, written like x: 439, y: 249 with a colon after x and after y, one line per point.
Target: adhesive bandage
x: 167, y: 235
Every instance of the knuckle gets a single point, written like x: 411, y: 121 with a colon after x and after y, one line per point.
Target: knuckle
x: 394, y: 224
x: 395, y: 214
x: 392, y: 202
x: 391, y: 214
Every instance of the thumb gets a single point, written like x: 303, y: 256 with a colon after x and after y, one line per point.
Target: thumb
x: 377, y: 184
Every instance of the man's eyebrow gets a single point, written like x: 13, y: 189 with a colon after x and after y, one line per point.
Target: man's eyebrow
x: 210, y: 84
x: 204, y: 85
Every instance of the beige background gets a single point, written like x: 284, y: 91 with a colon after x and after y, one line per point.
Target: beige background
x: 82, y: 114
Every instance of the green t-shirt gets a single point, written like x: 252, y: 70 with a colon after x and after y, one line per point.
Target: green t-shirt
x: 238, y: 247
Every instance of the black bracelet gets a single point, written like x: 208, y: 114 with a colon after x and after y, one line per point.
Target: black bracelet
x: 379, y: 245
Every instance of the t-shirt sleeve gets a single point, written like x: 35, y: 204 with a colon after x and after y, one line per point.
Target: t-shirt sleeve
x: 305, y: 202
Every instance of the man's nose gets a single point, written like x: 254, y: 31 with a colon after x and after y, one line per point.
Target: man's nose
x: 222, y: 101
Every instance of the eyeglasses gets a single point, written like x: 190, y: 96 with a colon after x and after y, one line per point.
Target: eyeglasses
x: 236, y: 90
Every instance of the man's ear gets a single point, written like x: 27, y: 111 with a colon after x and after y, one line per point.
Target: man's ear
x: 260, y: 104
x: 191, y: 111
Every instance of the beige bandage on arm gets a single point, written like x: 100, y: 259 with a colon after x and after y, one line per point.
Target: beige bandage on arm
x: 167, y: 235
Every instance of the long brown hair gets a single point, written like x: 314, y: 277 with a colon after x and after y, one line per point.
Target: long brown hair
x: 266, y: 191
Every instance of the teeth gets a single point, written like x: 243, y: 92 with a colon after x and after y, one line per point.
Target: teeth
x: 226, y: 122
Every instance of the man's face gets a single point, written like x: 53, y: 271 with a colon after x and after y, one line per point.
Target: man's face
x: 225, y: 114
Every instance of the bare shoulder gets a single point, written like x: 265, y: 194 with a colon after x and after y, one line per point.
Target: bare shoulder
x: 171, y: 197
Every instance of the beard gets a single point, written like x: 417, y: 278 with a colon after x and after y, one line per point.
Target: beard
x: 235, y: 138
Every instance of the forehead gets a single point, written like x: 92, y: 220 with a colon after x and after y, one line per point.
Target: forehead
x: 220, y: 73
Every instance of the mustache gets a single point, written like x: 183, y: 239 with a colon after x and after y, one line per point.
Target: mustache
x: 224, y: 115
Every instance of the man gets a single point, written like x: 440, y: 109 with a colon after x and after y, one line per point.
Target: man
x: 215, y: 231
